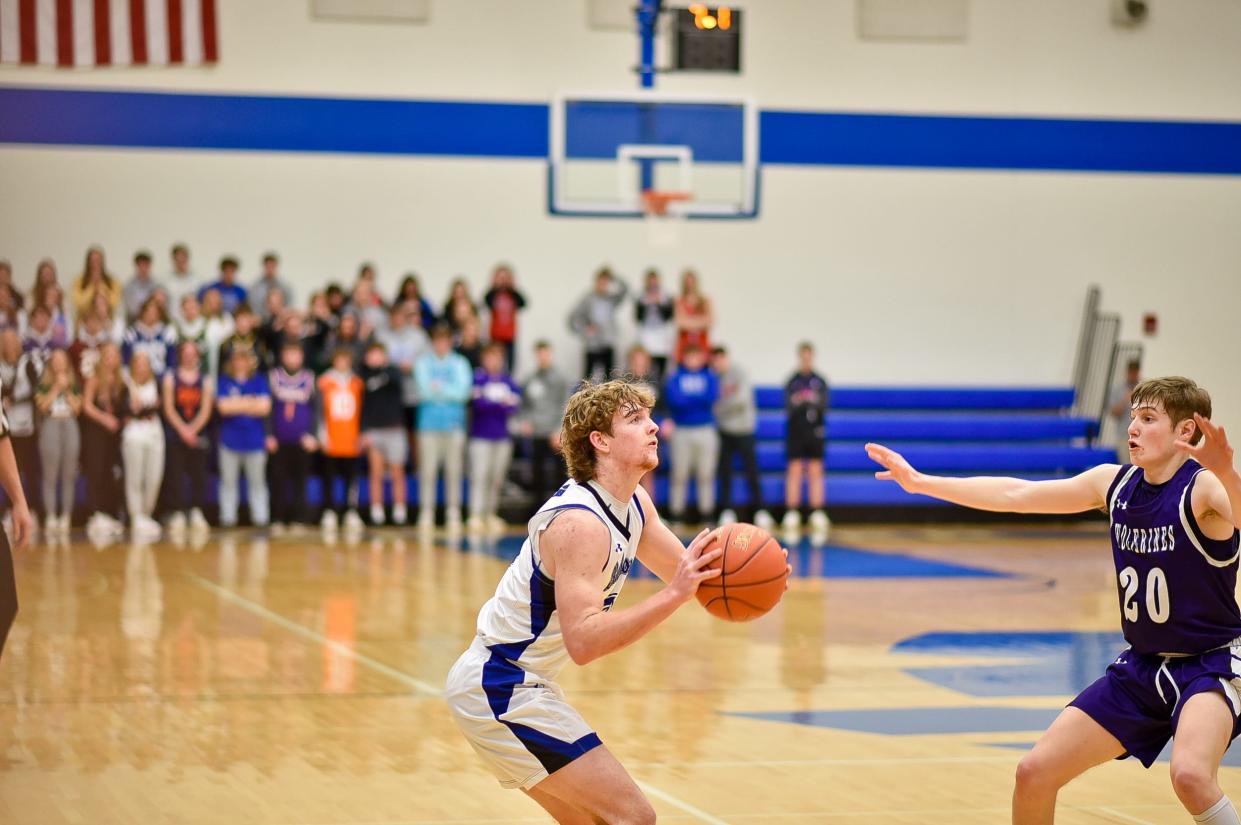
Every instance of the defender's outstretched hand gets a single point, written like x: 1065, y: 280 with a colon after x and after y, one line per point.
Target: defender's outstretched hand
x: 1213, y: 452
x: 896, y: 468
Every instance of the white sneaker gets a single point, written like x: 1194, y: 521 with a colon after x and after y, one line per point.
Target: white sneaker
x: 452, y: 522
x: 728, y: 517
x: 113, y: 525
x: 64, y: 524
x: 198, y: 521
x: 353, y: 522
x: 496, y: 525
x: 277, y: 528
x: 176, y: 524
x: 377, y: 515
x: 399, y: 514
x: 49, y: 524
x: 426, y: 520
x: 474, y: 524
x: 819, y: 522
x: 792, y: 521
x: 764, y: 520
x: 328, y: 522
x: 145, y: 527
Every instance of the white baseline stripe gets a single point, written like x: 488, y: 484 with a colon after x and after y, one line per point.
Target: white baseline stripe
x: 10, y: 36
x: 83, y: 33
x: 819, y: 763
x: 680, y: 804
x: 45, y: 32
x: 307, y: 633
x: 157, y: 32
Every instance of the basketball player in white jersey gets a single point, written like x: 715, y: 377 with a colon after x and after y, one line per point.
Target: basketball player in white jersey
x: 554, y: 603
x: 23, y: 526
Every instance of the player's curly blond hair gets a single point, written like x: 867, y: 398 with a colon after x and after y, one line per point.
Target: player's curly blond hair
x: 1180, y: 398
x: 591, y: 408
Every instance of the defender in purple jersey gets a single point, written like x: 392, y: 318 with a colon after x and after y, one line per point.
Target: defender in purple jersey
x: 1174, y: 513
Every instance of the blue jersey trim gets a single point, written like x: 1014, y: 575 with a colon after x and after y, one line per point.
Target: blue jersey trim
x: 641, y: 513
x: 623, y: 528
x: 502, y: 675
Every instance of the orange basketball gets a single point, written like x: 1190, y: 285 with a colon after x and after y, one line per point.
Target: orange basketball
x: 753, y: 577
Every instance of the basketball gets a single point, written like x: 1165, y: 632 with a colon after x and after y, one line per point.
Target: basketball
x: 754, y: 572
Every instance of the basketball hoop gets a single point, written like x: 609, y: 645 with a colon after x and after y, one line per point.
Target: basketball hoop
x: 656, y: 201
x: 665, y: 213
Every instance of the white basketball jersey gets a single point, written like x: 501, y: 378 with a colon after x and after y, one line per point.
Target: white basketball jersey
x: 520, y: 622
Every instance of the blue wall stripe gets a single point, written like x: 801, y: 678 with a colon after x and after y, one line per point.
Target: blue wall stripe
x: 1183, y: 147
x: 290, y: 124
x: 519, y: 130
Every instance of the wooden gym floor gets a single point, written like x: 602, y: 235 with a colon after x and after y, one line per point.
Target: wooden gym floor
x: 287, y: 681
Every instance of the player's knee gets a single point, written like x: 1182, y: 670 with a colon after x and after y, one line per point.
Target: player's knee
x: 1034, y: 775
x: 1194, y: 785
x: 637, y: 812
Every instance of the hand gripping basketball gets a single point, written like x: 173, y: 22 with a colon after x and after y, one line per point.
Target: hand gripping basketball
x: 693, y: 569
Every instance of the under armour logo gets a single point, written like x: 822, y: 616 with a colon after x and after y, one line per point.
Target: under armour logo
x: 1122, y: 505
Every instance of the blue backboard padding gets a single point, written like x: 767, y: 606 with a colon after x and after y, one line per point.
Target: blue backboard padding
x: 422, y: 127
x: 595, y: 129
x: 908, y: 426
x: 932, y: 398
x: 1182, y: 147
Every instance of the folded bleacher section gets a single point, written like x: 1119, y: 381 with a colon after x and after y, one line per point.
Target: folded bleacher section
x: 1021, y: 431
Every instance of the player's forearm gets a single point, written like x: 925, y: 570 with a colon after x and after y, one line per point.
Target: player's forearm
x: 9, y: 478
x: 603, y: 632
x: 1232, y: 485
x: 997, y: 494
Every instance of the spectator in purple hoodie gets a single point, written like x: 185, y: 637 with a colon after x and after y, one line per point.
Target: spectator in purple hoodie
x: 495, y: 398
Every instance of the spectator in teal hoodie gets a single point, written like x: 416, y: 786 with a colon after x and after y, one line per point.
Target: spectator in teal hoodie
x: 445, y: 382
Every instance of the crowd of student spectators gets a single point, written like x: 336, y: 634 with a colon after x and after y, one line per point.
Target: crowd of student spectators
x: 125, y: 377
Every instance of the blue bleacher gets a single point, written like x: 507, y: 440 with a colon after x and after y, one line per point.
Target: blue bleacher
x: 1020, y: 431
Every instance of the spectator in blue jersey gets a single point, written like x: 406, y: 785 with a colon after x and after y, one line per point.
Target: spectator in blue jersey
x: 150, y: 333
x: 690, y: 394
x: 495, y: 398
x: 244, y: 404
x: 736, y: 415
x: 189, y: 400
x: 383, y: 430
x: 269, y: 281
x: 291, y: 443
x: 232, y: 294
x: 139, y: 288
x: 444, y: 386
x: 805, y: 403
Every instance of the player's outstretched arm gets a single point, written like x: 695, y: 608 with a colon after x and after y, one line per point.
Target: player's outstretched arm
x: 575, y: 550
x: 1217, y: 496
x: 1086, y: 491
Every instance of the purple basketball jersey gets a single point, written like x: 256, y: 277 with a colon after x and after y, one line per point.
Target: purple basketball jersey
x: 1177, y: 587
x: 292, y: 395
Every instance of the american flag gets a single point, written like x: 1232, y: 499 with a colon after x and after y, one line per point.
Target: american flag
x: 80, y: 33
